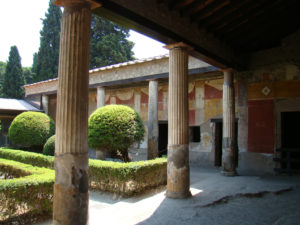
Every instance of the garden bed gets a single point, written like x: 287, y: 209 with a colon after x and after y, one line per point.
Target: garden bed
x: 30, y: 190
x: 123, y: 178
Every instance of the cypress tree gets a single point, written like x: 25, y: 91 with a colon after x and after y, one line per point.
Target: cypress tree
x: 45, y: 65
x: 13, y: 77
x: 2, y: 72
x: 108, y: 43
x: 27, y: 75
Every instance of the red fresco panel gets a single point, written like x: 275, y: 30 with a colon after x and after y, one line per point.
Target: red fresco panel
x: 191, y: 117
x: 144, y: 98
x: 211, y: 92
x: 261, y: 126
x: 108, y: 101
x: 125, y: 102
x: 160, y: 106
x: 192, y: 94
x: 160, y: 96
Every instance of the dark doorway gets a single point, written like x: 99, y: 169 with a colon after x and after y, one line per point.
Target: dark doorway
x: 163, y: 138
x: 290, y: 124
x: 218, y: 143
x: 218, y: 137
x: 195, y: 134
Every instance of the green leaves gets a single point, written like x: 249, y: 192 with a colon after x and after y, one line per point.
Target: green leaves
x: 122, y: 178
x: 114, y: 128
x: 108, y: 43
x: 31, y: 129
x: 45, y: 62
x: 13, y: 78
x: 32, y: 190
x: 49, y: 146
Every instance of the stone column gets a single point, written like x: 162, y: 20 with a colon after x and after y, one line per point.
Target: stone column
x: 178, y: 180
x: 100, y: 102
x: 45, y: 103
x: 229, y: 139
x: 153, y: 120
x: 5, y: 124
x: 100, y: 97
x: 71, y: 195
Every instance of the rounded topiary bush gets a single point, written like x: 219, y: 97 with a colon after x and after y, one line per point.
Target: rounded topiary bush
x: 31, y: 130
x: 114, y: 128
x: 49, y: 146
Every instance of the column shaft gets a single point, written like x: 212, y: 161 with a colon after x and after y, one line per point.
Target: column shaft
x: 178, y: 181
x: 153, y: 120
x: 100, y: 97
x: 229, y: 139
x: 45, y: 103
x: 71, y: 195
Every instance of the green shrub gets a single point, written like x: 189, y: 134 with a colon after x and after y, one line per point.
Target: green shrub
x: 49, y: 147
x: 34, y: 159
x: 31, y: 192
x: 31, y: 130
x: 127, y: 178
x: 121, y: 178
x: 114, y: 128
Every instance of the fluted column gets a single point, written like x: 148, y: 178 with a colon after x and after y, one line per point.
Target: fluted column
x: 45, y: 103
x: 100, y: 154
x: 153, y: 120
x: 100, y: 97
x: 71, y: 196
x: 178, y: 180
x: 229, y: 140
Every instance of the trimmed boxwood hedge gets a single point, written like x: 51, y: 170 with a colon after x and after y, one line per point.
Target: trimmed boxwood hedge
x: 31, y: 129
x: 127, y: 178
x: 122, y: 178
x: 49, y: 147
x: 31, y: 192
x: 114, y: 128
x: 34, y: 159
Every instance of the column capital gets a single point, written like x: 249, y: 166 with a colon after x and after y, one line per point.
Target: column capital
x: 227, y: 70
x: 178, y: 45
x: 93, y: 4
x: 153, y: 79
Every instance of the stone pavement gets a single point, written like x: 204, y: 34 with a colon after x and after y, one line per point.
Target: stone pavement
x: 216, y: 200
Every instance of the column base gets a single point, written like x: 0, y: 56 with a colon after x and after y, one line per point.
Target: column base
x: 178, y: 169
x: 229, y: 173
x: 178, y: 195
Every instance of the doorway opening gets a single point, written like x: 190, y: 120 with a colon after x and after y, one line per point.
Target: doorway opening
x: 218, y: 137
x: 218, y: 143
x: 290, y: 145
x: 162, y: 138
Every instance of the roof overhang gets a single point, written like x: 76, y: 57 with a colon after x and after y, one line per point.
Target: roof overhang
x: 221, y: 33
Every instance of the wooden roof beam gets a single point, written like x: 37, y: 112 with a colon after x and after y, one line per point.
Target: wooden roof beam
x: 158, y: 22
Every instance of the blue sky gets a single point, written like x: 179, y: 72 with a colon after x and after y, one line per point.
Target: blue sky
x: 21, y: 24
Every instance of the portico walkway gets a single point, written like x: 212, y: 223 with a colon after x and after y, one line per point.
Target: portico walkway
x: 216, y: 200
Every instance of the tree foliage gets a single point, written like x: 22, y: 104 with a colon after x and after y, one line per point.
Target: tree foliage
x: 109, y: 44
x: 45, y: 62
x: 114, y: 128
x: 2, y: 72
x: 27, y: 71
x: 13, y: 78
